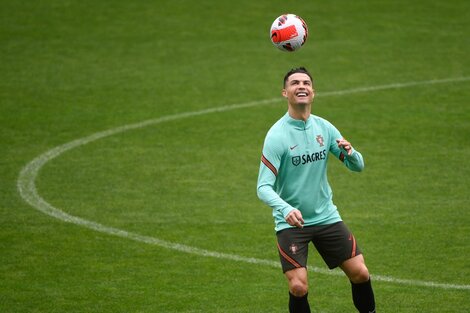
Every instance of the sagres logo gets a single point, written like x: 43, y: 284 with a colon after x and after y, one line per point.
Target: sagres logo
x: 296, y: 160
x: 309, y: 158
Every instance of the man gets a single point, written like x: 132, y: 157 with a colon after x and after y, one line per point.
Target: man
x: 293, y: 182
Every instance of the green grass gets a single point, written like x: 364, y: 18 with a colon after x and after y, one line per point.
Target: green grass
x: 70, y: 69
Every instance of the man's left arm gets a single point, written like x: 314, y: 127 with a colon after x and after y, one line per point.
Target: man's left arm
x: 349, y: 156
x: 344, y: 150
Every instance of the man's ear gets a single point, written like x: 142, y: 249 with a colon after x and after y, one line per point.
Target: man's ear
x: 284, y: 93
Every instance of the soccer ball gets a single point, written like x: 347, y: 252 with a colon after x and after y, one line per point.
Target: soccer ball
x: 289, y: 32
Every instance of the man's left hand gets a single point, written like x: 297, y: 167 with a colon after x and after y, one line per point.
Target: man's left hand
x: 345, y: 145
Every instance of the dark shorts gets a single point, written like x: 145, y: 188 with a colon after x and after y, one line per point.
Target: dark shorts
x: 334, y: 242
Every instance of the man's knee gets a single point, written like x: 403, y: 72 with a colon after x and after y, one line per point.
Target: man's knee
x: 298, y: 285
x: 359, y: 275
x: 356, y: 269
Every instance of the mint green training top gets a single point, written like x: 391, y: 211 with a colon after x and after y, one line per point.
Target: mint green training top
x: 293, y: 170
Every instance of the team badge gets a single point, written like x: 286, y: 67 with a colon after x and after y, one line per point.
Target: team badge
x: 293, y: 248
x: 296, y: 160
x: 320, y: 140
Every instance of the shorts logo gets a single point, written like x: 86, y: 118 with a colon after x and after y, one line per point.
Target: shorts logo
x: 320, y: 140
x: 296, y: 160
x: 293, y: 248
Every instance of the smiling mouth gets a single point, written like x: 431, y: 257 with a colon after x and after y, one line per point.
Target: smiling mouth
x: 301, y: 94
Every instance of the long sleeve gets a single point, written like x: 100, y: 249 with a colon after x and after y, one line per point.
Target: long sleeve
x: 353, y: 162
x: 265, y: 188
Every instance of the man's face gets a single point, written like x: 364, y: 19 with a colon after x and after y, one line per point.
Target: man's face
x: 298, y: 89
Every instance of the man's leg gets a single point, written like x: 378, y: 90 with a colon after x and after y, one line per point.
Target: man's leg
x: 362, y: 293
x: 293, y: 252
x: 298, y: 290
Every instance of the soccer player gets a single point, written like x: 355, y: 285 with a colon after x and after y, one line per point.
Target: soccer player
x: 293, y: 182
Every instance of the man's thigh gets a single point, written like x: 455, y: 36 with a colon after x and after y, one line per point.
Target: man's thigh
x: 335, y: 243
x: 292, y: 244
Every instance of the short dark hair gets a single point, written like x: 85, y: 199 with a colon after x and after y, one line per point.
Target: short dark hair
x: 297, y: 70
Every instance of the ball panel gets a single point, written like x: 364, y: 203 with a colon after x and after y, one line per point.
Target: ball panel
x: 284, y: 34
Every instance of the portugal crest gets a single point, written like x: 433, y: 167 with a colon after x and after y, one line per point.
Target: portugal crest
x: 293, y: 248
x: 296, y: 160
x: 320, y: 140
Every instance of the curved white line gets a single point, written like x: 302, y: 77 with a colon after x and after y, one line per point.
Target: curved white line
x: 27, y: 187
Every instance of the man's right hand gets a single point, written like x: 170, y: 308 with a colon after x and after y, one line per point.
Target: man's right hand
x: 294, y: 218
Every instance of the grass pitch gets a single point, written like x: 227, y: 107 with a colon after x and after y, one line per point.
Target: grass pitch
x: 393, y: 76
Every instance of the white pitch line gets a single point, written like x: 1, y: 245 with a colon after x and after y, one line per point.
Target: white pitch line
x: 395, y: 86
x: 27, y: 187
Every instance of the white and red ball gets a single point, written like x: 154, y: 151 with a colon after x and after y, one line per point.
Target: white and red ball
x: 289, y: 32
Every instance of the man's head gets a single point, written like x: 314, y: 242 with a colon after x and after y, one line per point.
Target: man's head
x: 296, y: 70
x: 298, y: 87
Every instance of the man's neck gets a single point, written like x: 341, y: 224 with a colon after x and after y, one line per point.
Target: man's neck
x: 300, y: 111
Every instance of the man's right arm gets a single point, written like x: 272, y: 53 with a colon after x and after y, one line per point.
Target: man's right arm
x: 268, y: 172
